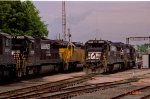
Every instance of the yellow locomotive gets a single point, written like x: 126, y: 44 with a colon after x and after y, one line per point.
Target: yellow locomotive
x: 72, y: 56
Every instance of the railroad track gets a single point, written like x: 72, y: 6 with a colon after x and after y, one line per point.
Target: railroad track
x: 63, y: 88
x: 51, y: 87
x: 66, y: 93
x: 146, y: 97
x: 140, y: 93
x: 80, y: 90
x: 75, y: 91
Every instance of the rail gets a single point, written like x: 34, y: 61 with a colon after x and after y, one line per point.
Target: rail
x: 68, y: 92
x: 132, y: 92
x: 87, y: 89
x: 52, y: 86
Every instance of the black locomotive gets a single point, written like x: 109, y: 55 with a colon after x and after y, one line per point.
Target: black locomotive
x: 102, y: 56
x: 21, y: 56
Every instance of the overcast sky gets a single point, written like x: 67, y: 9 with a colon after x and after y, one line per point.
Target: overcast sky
x: 88, y: 19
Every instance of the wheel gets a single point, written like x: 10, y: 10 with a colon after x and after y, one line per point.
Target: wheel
x: 98, y: 70
x: 1, y: 74
x: 110, y: 68
x: 85, y: 70
x: 66, y: 66
x: 122, y: 66
x: 57, y: 68
x: 19, y: 73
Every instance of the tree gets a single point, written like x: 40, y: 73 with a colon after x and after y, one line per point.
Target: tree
x: 34, y: 21
x: 143, y: 47
x: 21, y: 18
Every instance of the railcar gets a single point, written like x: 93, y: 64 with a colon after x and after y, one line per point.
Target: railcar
x: 34, y: 55
x: 66, y: 56
x: 21, y: 56
x: 72, y: 56
x: 102, y: 56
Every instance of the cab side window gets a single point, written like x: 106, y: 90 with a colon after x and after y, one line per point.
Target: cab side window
x: 113, y: 48
x: 1, y: 45
x: 7, y: 42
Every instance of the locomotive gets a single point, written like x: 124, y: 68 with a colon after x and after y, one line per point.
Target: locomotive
x: 21, y: 56
x: 103, y: 56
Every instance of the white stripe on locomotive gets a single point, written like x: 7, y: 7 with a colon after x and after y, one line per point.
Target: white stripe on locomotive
x: 94, y: 55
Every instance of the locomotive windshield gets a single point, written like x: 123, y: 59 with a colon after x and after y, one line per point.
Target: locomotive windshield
x: 17, y: 43
x: 7, y: 42
x: 96, y: 46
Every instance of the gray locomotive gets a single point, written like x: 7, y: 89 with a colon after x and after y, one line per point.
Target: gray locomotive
x: 102, y: 56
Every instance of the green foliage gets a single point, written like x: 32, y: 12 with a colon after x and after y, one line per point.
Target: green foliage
x: 143, y: 47
x: 34, y: 21
x: 21, y: 18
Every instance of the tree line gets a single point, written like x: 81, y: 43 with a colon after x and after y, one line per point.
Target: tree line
x: 143, y: 47
x: 21, y: 18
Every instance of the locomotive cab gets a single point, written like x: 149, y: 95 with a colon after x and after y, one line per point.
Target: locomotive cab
x: 5, y: 44
x: 96, y: 55
x: 131, y: 56
x: 7, y: 63
x: 23, y: 51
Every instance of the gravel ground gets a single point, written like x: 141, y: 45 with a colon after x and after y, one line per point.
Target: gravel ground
x: 111, y: 92
x: 97, y: 79
x: 38, y: 81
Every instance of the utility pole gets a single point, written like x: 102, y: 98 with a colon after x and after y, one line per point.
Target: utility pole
x: 59, y: 36
x: 69, y: 34
x: 63, y: 20
x: 127, y: 40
